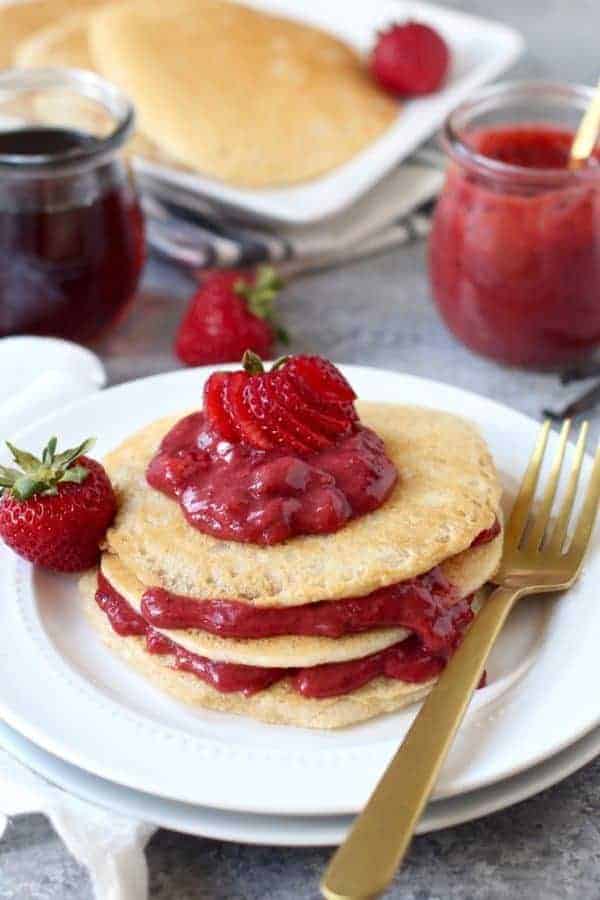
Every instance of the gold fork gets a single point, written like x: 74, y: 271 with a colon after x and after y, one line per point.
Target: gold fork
x: 538, y: 557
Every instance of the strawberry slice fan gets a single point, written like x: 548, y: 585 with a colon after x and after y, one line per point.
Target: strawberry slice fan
x: 258, y: 410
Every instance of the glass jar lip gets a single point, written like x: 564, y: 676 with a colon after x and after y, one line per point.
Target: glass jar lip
x: 565, y: 94
x: 89, y: 85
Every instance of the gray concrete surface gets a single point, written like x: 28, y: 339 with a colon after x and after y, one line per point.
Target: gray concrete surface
x: 376, y: 313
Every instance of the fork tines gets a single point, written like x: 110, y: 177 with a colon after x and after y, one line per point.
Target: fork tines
x: 543, y: 533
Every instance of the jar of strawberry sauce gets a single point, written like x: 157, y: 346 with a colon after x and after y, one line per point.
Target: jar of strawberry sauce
x: 514, y: 252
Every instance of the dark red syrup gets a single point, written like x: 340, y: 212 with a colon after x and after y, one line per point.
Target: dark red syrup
x: 71, y: 243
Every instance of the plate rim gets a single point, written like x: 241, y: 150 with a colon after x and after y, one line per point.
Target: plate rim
x: 456, y: 811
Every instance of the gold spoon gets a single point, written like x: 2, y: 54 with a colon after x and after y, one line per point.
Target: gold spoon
x: 587, y: 134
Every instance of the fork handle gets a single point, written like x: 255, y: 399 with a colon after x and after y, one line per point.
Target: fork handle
x: 366, y: 862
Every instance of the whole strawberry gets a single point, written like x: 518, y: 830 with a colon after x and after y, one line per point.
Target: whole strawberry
x: 230, y: 312
x: 410, y: 59
x: 54, y: 511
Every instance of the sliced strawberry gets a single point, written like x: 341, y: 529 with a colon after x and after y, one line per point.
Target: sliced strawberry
x: 216, y: 410
x: 288, y: 424
x: 303, y: 404
x: 247, y: 421
x: 266, y: 418
x: 333, y: 420
x: 321, y: 379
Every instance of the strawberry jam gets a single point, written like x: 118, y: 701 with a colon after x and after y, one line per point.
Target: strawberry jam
x: 238, y: 492
x: 428, y: 604
x: 514, y: 251
x: 436, y: 617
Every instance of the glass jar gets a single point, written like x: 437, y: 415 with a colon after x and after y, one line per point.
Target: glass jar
x: 71, y: 229
x: 514, y: 251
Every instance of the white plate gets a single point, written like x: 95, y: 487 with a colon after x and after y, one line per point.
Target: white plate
x: 289, y: 831
x: 63, y: 690
x: 481, y: 50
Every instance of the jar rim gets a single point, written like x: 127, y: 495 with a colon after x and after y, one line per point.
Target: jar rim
x: 563, y: 94
x: 87, y: 84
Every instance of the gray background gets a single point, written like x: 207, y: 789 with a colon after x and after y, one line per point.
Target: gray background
x: 376, y: 313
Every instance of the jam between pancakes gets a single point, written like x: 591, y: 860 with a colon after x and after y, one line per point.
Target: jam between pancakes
x: 240, y: 493
x: 410, y: 660
x: 427, y: 605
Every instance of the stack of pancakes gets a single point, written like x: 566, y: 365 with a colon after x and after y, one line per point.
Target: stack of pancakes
x: 446, y: 495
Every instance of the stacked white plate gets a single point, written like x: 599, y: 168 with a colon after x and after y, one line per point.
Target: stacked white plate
x: 79, y: 716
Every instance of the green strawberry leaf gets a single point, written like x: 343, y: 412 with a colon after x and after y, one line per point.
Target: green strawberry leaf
x: 25, y: 487
x: 28, y: 462
x: 76, y: 474
x: 49, y: 451
x: 64, y: 459
x: 252, y: 363
x: 41, y: 476
x: 279, y: 362
x: 8, y: 476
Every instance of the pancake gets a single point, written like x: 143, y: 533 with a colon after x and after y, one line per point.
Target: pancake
x: 20, y: 20
x: 278, y: 704
x: 469, y: 571
x: 447, y: 493
x: 65, y: 43
x: 249, y: 98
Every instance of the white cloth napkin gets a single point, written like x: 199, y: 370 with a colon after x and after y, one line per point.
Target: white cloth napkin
x: 198, y: 234
x: 110, y: 846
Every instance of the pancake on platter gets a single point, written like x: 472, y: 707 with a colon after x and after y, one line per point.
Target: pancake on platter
x: 65, y: 43
x: 446, y: 494
x: 467, y: 572
x: 246, y: 97
x: 278, y: 704
x: 20, y: 20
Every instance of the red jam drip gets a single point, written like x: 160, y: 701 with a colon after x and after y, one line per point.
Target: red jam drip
x: 428, y: 604
x: 406, y: 661
x: 410, y: 660
x: 484, y: 537
x: 239, y: 493
x: 224, y: 677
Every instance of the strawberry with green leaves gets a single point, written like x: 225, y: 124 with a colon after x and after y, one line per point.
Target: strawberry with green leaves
x: 54, y: 511
x: 232, y: 311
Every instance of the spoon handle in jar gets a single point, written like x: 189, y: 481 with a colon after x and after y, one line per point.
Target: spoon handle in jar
x: 586, y: 136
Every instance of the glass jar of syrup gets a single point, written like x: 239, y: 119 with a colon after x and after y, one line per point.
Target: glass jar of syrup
x: 71, y: 229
